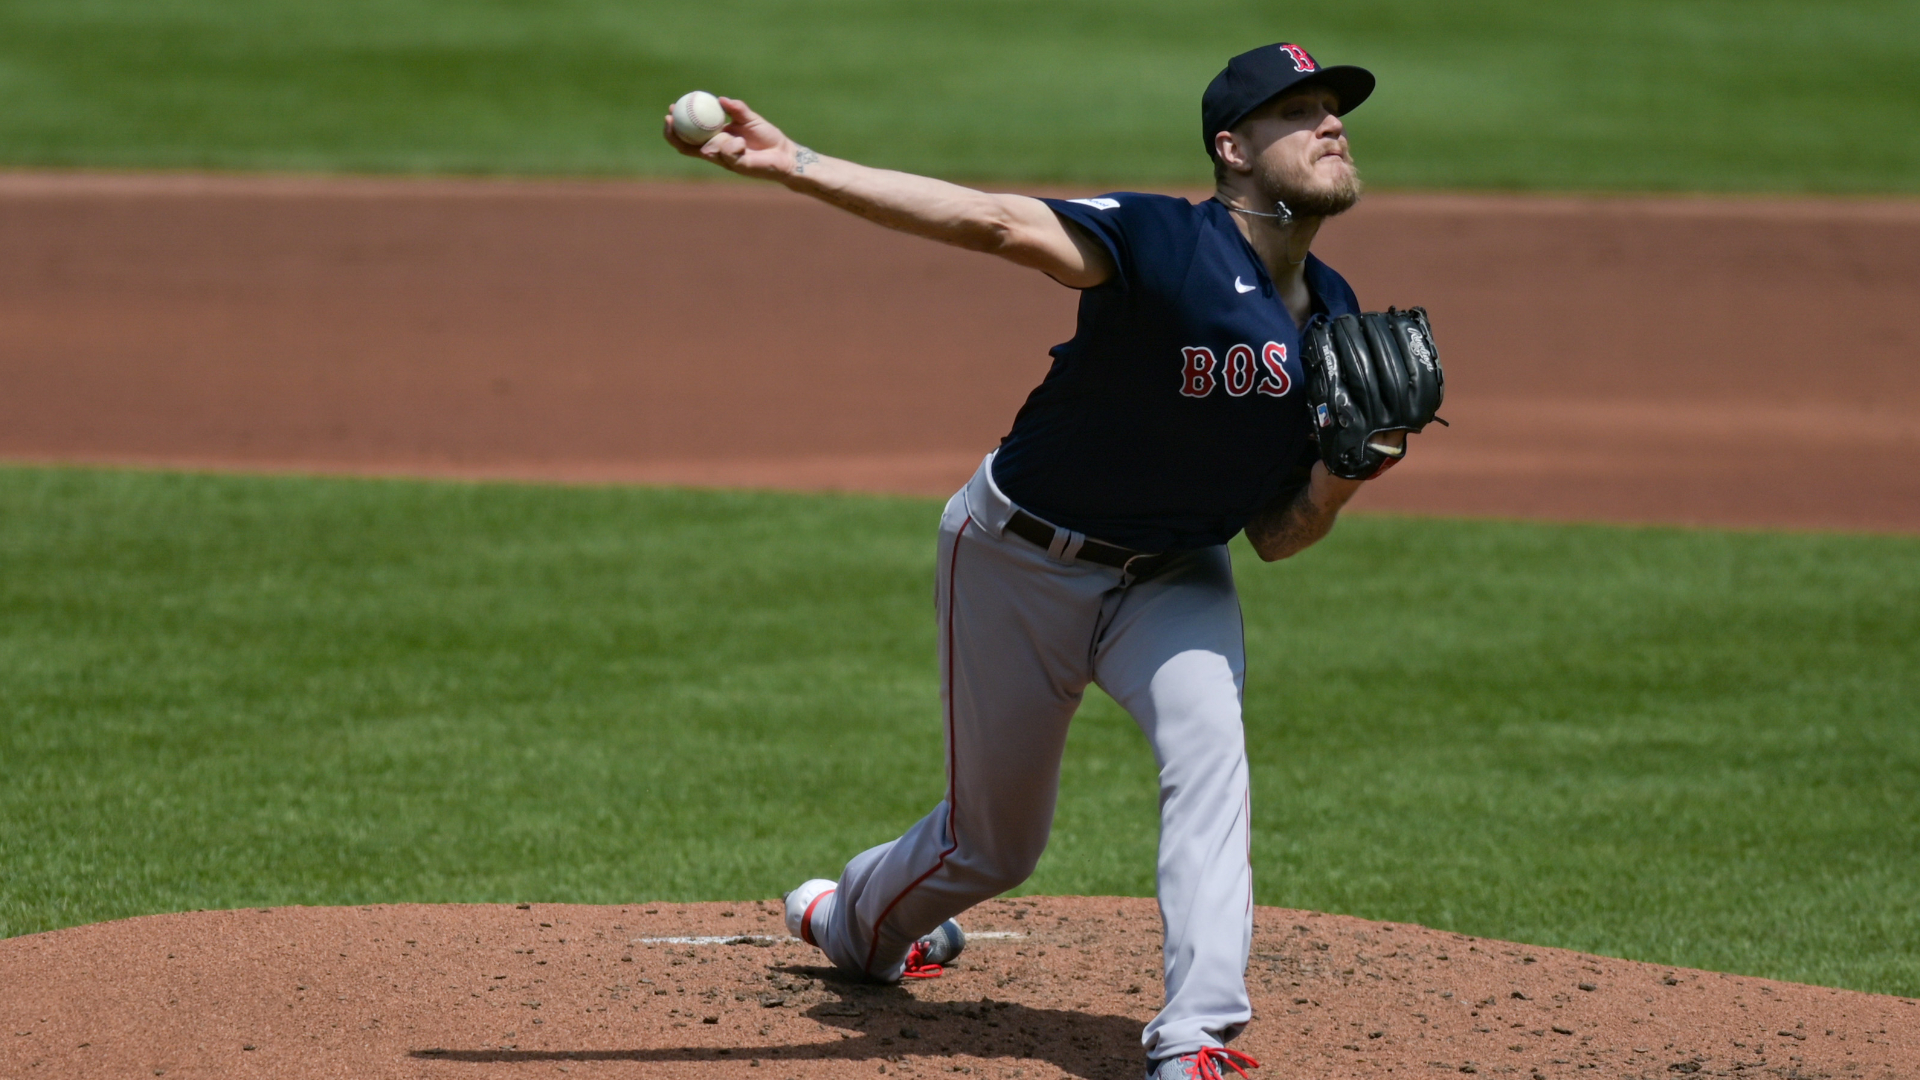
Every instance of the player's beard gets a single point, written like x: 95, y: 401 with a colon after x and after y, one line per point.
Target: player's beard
x: 1305, y: 194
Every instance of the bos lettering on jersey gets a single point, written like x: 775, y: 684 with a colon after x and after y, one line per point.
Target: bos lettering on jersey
x: 1172, y: 414
x: 1239, y: 374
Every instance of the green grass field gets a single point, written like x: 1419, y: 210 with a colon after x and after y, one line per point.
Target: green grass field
x: 1684, y: 746
x: 1717, y: 95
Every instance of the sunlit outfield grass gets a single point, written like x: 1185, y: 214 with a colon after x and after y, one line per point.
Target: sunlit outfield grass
x: 1730, y: 95
x: 1692, y: 747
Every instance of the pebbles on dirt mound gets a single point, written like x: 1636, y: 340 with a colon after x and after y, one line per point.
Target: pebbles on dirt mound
x: 1047, y: 988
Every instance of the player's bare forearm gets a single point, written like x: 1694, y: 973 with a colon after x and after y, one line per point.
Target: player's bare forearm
x: 1290, y: 526
x: 1017, y: 228
x: 920, y: 205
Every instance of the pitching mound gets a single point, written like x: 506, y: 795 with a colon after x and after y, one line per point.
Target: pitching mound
x: 1047, y: 988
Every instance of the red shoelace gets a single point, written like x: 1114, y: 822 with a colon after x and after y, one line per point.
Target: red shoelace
x: 1207, y: 1061
x: 917, y: 966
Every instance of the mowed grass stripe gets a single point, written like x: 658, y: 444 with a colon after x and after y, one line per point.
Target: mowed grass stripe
x: 1722, y: 95
x: 1683, y: 746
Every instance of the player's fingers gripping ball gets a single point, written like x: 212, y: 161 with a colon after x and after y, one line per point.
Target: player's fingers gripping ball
x: 697, y: 117
x: 1368, y: 375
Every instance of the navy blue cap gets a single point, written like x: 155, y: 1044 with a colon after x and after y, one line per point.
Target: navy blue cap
x: 1259, y: 75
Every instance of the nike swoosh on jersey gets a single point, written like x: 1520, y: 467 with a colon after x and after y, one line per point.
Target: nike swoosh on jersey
x: 1239, y: 288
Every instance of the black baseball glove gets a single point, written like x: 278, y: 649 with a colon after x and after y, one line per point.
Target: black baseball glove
x: 1367, y: 375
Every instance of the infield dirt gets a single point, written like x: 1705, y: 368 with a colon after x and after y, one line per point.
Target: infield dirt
x: 1734, y: 362
x: 1056, y: 987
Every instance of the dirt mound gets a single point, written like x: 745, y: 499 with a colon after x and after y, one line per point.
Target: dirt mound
x: 1048, y: 987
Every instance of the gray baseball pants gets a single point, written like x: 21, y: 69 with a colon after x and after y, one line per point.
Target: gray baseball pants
x: 1022, y: 633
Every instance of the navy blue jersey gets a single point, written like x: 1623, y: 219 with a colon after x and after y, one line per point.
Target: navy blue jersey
x: 1178, y: 409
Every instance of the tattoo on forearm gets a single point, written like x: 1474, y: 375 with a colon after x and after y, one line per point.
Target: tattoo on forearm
x: 1279, y: 531
x: 803, y: 157
x: 1287, y: 529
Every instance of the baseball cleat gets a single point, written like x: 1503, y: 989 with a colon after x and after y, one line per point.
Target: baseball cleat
x: 925, y: 959
x: 1202, y: 1064
x: 945, y: 943
x: 802, y: 903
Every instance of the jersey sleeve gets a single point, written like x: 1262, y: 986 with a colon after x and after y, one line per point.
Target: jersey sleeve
x: 1133, y: 227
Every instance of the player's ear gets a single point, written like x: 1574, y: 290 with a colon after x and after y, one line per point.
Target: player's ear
x: 1231, y: 151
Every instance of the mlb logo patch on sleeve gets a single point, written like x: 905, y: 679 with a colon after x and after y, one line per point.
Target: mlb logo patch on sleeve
x: 1097, y: 204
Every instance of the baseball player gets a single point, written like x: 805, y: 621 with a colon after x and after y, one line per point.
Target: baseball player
x: 1091, y: 545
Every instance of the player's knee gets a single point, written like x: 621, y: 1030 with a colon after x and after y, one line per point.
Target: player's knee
x: 1004, y: 869
x: 1012, y: 873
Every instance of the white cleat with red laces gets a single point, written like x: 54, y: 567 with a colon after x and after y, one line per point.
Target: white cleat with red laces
x: 808, y: 906
x: 1203, y: 1064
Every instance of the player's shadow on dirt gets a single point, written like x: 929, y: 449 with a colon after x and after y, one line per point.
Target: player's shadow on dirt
x: 880, y: 1023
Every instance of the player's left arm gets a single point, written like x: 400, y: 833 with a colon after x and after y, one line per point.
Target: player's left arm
x: 1292, y: 524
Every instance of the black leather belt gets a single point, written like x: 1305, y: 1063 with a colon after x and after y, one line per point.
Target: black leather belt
x: 1040, y: 534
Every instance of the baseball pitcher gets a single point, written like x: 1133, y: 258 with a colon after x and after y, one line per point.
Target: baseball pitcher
x: 1221, y: 379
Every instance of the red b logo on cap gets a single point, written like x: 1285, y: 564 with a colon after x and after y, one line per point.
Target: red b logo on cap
x: 1301, y: 61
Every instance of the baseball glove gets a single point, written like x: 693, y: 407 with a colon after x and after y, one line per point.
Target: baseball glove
x: 1367, y: 375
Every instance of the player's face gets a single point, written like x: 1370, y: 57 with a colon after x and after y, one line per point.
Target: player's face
x: 1300, y: 155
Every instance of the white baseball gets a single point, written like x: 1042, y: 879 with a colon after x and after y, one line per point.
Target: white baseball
x: 698, y: 117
